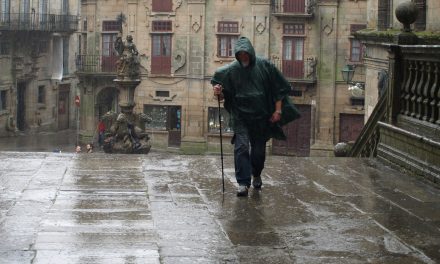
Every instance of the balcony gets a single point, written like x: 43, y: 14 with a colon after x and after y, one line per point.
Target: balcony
x: 301, y: 72
x: 96, y: 64
x: 38, y: 22
x: 292, y: 8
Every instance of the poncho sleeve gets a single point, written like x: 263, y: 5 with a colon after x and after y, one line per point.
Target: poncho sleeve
x: 221, y: 76
x: 280, y: 89
x: 280, y: 86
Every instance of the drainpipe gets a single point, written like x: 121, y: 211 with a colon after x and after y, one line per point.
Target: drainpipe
x: 336, y: 71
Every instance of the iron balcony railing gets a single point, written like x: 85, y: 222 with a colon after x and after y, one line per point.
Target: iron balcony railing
x: 38, y: 22
x: 96, y: 64
x: 297, y: 70
x: 304, y: 7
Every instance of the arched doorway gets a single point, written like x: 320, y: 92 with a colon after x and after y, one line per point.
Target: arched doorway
x: 107, y: 100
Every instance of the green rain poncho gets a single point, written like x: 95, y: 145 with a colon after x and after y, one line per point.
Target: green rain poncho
x: 251, y: 92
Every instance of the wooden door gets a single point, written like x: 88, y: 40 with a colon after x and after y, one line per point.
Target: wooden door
x: 174, y: 121
x: 21, y: 106
x: 350, y: 126
x: 298, y: 135
x: 63, y: 107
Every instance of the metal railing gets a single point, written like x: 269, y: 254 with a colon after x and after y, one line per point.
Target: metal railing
x: 292, y: 6
x: 38, y: 22
x: 303, y: 70
x: 368, y: 139
x: 96, y: 63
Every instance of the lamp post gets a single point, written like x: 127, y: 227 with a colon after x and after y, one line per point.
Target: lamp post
x: 347, y: 73
x: 356, y: 88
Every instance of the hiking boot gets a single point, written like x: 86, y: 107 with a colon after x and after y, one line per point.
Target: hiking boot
x: 256, y: 182
x: 242, y: 190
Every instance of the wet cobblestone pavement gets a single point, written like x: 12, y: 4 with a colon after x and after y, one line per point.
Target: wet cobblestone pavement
x: 166, y: 208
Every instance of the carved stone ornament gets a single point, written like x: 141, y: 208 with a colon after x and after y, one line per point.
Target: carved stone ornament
x: 196, y: 26
x: 261, y: 25
x: 327, y: 25
x: 176, y: 4
x: 179, y: 59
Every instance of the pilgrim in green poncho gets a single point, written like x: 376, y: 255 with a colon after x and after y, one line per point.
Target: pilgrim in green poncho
x: 256, y: 96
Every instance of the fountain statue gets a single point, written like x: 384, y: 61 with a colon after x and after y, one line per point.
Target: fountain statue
x: 126, y: 133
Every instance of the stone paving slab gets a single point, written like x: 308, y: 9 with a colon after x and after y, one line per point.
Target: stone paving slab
x: 166, y: 208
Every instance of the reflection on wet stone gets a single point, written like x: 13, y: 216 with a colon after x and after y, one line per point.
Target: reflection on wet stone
x: 166, y: 208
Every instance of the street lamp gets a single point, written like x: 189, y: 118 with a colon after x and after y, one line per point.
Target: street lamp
x: 347, y: 73
x: 356, y: 88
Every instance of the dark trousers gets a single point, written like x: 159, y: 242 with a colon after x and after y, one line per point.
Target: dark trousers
x: 249, y: 156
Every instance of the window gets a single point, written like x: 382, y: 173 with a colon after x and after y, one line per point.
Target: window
x: 65, y: 7
x: 293, y: 57
x: 355, y: 50
x: 384, y: 14
x: 3, y: 100
x: 162, y: 93
x: 227, y: 36
x: 43, y: 6
x: 165, y: 118
x: 41, y: 94
x: 162, y: 26
x: 65, y: 56
x: 420, y: 23
x: 213, y: 120
x: 5, y: 47
x: 110, y: 26
x: 24, y: 13
x: 293, y: 29
x: 356, y: 47
x: 109, y: 56
x: 161, y: 47
x: 162, y: 5
x: 293, y: 50
x: 4, y: 10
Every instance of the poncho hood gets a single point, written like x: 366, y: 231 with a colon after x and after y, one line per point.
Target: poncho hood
x: 244, y: 44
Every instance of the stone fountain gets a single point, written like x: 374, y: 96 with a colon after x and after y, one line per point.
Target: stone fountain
x: 126, y: 133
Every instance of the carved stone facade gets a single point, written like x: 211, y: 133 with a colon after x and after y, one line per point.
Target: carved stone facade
x: 179, y: 50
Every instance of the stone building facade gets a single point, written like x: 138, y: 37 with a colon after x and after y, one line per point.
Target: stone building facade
x: 181, y: 43
x: 37, y: 81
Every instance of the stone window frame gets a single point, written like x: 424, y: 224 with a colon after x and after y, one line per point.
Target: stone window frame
x: 228, y: 31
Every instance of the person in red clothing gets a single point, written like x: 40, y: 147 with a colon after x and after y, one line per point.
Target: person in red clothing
x: 101, y: 131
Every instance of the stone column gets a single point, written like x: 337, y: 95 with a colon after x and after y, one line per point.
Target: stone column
x: 327, y: 21
x: 193, y: 140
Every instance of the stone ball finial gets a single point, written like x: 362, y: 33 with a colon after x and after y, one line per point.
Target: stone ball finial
x: 341, y: 149
x: 407, y: 13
